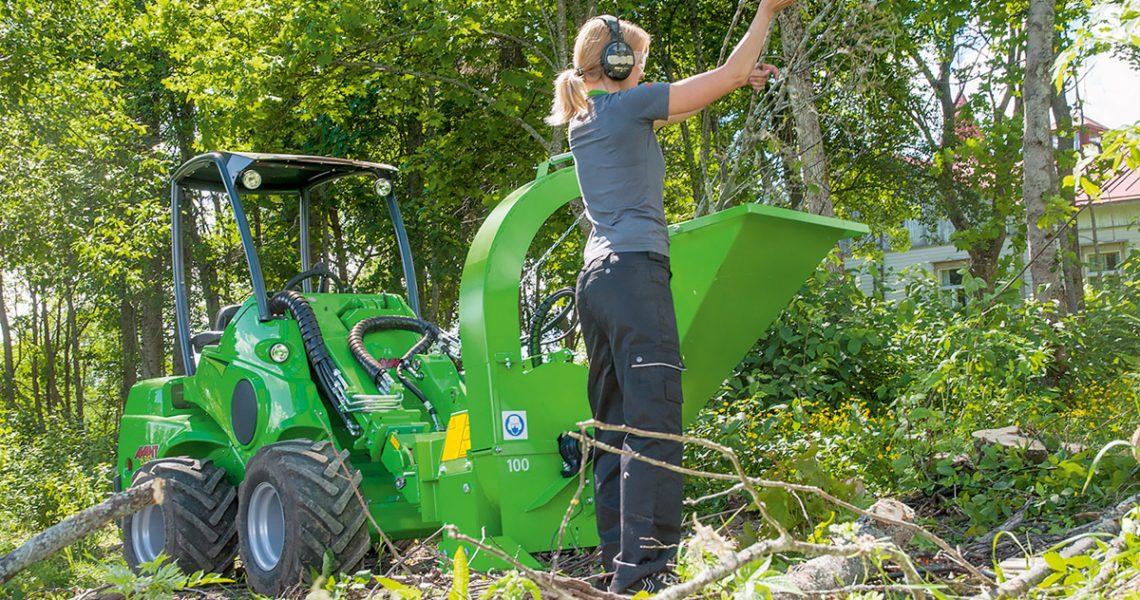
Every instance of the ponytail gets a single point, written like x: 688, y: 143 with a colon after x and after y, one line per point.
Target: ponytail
x: 570, y: 98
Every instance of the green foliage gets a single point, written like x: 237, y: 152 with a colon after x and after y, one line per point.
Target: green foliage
x: 401, y: 590
x: 1106, y: 572
x: 157, y: 580
x: 48, y: 475
x: 461, y: 577
x: 344, y: 587
x: 847, y: 391
x: 512, y: 586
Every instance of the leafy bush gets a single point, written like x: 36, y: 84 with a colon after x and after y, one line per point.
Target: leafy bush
x: 50, y: 474
x: 847, y: 390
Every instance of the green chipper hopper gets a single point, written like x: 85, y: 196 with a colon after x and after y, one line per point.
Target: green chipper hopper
x: 309, y: 421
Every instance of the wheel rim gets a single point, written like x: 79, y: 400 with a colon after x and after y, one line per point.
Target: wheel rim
x: 266, y: 526
x: 148, y: 533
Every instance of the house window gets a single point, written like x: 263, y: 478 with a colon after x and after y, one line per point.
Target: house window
x: 950, y: 281
x: 1103, y: 261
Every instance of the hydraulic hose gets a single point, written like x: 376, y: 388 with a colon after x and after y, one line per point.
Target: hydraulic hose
x: 540, y: 325
x: 377, y: 371
x: 329, y: 378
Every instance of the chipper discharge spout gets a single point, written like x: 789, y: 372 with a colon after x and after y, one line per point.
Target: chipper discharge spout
x: 733, y: 272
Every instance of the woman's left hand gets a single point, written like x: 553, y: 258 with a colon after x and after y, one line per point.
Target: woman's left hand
x: 760, y: 74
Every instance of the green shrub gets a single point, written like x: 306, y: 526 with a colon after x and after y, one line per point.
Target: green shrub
x: 847, y: 390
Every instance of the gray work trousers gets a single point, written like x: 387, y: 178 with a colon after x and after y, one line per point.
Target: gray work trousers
x: 626, y: 312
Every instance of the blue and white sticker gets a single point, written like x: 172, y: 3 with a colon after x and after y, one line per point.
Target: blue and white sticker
x: 514, y: 425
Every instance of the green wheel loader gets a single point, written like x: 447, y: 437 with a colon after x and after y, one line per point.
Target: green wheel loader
x: 307, y: 421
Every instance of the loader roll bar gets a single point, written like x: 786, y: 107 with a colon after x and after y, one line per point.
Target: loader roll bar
x: 281, y: 174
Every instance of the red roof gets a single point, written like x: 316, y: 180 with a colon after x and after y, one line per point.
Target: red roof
x: 1124, y: 187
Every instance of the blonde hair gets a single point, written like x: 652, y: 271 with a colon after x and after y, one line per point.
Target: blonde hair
x: 571, y: 98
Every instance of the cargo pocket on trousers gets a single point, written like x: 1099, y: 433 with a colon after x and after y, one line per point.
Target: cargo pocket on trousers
x: 656, y: 372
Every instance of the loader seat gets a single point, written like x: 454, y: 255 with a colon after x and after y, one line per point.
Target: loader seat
x: 225, y: 315
x: 211, y: 338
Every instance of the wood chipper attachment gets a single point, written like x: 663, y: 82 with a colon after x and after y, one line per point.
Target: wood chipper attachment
x: 733, y: 272
x: 306, y: 419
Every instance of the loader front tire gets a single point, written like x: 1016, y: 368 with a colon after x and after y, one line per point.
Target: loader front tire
x: 298, y: 503
x: 196, y: 523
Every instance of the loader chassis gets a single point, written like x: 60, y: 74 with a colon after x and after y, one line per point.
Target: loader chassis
x: 492, y: 466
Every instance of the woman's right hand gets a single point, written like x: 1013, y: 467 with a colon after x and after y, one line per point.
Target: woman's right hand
x: 774, y: 6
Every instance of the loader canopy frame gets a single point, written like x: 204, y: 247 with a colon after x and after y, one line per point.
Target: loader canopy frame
x: 281, y: 174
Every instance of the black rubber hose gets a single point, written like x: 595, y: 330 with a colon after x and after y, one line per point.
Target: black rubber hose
x: 376, y: 370
x: 537, y: 329
x: 423, y: 399
x: 315, y: 349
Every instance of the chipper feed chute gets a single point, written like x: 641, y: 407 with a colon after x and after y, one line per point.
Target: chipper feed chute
x: 732, y: 274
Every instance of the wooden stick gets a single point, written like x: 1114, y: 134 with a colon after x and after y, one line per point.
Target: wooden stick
x: 79, y: 526
x: 1020, y: 585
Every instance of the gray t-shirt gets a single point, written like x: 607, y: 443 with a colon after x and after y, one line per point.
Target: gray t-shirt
x: 621, y: 170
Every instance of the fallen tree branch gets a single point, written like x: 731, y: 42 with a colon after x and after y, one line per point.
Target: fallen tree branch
x: 789, y: 487
x: 1018, y: 586
x: 567, y: 588
x: 79, y: 526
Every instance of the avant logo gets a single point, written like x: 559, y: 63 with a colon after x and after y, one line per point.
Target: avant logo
x: 146, y: 454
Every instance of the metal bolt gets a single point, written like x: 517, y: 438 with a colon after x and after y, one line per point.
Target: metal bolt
x: 401, y: 482
x: 589, y: 500
x: 498, y: 449
x: 639, y: 359
x: 466, y: 488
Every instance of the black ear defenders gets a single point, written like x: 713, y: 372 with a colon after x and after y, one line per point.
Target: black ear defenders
x: 617, y: 56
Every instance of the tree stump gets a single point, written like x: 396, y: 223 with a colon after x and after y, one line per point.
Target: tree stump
x: 1011, y: 437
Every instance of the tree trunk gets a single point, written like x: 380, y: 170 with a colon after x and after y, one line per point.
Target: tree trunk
x: 8, y: 386
x: 129, y: 336
x: 76, y: 373
x: 1066, y: 156
x: 1040, y: 177
x: 153, y: 355
x: 51, y: 390
x: 812, y: 155
x: 207, y: 269
x: 696, y: 169
x: 338, y: 244
x: 36, y: 397
x: 65, y: 338
x: 79, y: 526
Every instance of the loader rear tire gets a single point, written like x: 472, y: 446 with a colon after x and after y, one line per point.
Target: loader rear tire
x: 298, y: 503
x: 196, y: 524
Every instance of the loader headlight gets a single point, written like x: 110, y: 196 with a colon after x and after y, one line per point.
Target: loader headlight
x: 279, y: 353
x: 251, y: 179
x: 383, y: 187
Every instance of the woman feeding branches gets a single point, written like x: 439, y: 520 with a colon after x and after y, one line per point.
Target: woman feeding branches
x: 623, y: 295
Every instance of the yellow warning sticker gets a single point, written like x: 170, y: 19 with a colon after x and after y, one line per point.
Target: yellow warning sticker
x: 458, y: 440
x: 395, y: 442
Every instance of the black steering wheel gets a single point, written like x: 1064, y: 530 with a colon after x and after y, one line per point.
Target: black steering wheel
x: 320, y: 270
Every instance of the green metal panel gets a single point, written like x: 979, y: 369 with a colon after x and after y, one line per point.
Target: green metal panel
x: 733, y: 272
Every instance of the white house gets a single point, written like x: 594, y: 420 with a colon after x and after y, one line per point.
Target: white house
x: 1108, y: 229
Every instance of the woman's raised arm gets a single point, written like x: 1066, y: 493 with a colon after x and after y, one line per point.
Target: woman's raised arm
x: 696, y: 92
